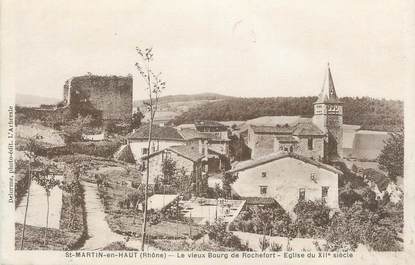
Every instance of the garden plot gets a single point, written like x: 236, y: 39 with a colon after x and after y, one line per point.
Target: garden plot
x: 203, y: 210
x: 160, y: 201
x: 36, y: 213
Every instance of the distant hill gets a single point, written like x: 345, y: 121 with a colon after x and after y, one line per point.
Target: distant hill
x: 182, y: 103
x: 370, y: 113
x: 25, y: 100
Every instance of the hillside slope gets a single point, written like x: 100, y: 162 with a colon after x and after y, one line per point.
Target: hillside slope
x: 182, y: 103
x: 370, y: 113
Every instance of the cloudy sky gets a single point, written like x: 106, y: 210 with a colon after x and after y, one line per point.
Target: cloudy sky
x: 240, y: 48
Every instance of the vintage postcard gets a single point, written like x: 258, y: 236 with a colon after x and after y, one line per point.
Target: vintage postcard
x: 207, y: 132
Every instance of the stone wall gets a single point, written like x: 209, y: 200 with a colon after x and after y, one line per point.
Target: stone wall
x: 335, y: 133
x: 112, y: 95
x: 316, y: 153
x: 263, y: 145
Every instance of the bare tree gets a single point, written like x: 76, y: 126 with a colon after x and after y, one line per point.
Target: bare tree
x: 154, y: 86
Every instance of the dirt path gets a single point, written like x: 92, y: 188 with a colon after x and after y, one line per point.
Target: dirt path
x: 100, y: 234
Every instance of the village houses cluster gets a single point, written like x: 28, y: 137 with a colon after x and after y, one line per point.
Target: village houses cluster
x: 286, y: 156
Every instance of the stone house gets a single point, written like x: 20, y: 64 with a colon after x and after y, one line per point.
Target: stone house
x: 212, y: 127
x: 197, y: 161
x: 302, y: 137
x: 214, y: 142
x: 165, y: 136
x: 288, y: 178
x: 162, y: 137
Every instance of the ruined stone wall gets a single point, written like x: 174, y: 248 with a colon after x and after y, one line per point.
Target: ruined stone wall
x: 112, y: 95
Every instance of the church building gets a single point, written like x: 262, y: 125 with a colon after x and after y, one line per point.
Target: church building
x: 319, y: 138
x: 289, y: 155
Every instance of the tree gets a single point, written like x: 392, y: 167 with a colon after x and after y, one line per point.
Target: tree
x: 358, y: 225
x: 169, y: 170
x: 32, y: 151
x: 136, y: 119
x: 45, y: 177
x: 227, y: 181
x: 391, y: 159
x: 182, y: 182
x: 154, y: 87
x: 74, y: 128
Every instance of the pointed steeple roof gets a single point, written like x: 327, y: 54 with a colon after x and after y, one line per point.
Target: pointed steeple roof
x: 328, y: 92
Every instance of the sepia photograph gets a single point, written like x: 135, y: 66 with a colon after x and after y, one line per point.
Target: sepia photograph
x: 207, y: 131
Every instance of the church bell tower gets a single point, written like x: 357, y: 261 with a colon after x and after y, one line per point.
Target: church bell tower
x: 328, y: 116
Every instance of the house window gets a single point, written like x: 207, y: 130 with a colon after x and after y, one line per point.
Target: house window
x: 310, y: 143
x: 144, y: 151
x: 324, y: 193
x: 301, y: 194
x: 263, y: 190
x: 264, y: 174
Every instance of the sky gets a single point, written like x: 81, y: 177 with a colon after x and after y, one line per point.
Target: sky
x: 238, y: 48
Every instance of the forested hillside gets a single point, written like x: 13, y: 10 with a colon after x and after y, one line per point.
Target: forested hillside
x: 372, y: 114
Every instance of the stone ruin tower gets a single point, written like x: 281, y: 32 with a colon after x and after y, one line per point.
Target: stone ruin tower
x: 112, y: 96
x: 328, y: 116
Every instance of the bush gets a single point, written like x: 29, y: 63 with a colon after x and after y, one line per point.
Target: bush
x: 358, y: 225
x: 103, y: 148
x: 217, y: 232
x: 263, y: 243
x: 275, y: 247
x: 274, y: 220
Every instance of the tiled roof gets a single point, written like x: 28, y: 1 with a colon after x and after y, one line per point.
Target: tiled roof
x: 159, y: 132
x: 190, y: 152
x: 307, y: 128
x: 189, y: 134
x: 259, y: 200
x: 279, y: 155
x: 210, y: 124
x: 284, y: 129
